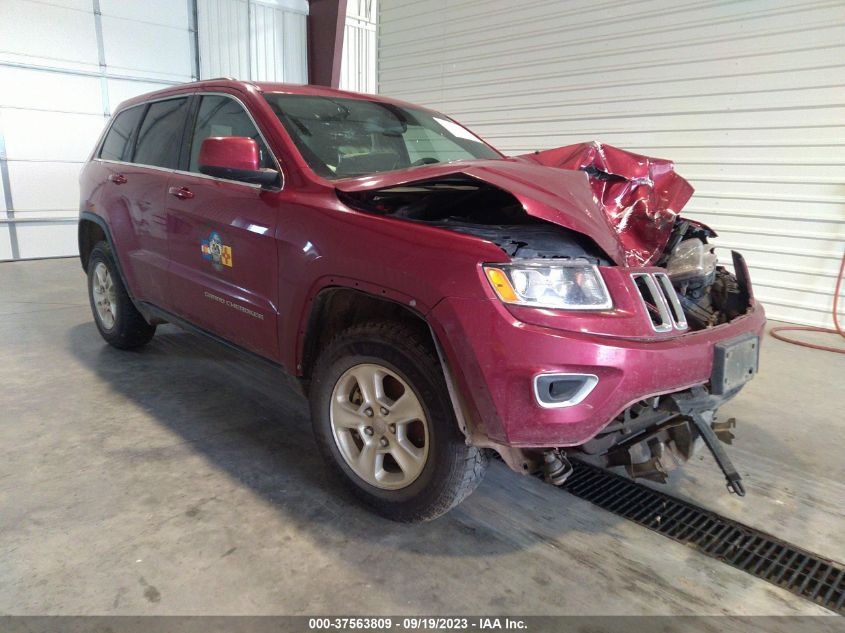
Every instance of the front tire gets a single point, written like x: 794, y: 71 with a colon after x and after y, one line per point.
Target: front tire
x: 116, y: 317
x: 383, y: 420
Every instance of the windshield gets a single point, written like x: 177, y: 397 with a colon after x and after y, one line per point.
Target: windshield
x: 340, y: 138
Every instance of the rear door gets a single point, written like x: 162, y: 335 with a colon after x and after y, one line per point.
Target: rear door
x: 132, y: 196
x: 224, y: 267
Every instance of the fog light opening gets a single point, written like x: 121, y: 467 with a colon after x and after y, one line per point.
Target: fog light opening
x: 563, y: 390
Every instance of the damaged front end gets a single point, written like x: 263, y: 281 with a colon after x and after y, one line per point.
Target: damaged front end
x: 607, y: 208
x: 587, y: 202
x: 652, y: 435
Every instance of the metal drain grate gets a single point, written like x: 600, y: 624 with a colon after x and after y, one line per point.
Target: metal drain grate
x: 792, y: 568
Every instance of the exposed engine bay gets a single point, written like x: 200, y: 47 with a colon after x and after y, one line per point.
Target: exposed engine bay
x: 467, y: 205
x: 709, y: 293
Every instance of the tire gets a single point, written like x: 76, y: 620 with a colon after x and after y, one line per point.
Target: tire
x: 116, y: 317
x: 441, y: 470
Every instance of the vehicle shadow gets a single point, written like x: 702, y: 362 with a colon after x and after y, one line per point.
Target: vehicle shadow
x: 241, y: 415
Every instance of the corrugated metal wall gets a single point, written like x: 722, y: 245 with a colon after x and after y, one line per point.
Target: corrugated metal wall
x: 248, y: 39
x: 358, y: 64
x: 64, y: 66
x: 747, y: 97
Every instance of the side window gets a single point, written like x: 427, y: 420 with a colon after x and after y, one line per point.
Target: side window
x: 116, y: 144
x: 222, y: 116
x: 160, y: 136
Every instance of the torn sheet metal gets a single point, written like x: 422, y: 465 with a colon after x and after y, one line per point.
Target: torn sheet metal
x: 562, y: 197
x: 625, y: 202
x: 641, y: 196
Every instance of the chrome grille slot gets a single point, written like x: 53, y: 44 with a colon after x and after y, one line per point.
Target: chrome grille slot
x: 675, y: 309
x: 660, y: 301
x: 653, y: 302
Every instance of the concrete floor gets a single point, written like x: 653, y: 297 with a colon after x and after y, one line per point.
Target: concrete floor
x: 182, y: 479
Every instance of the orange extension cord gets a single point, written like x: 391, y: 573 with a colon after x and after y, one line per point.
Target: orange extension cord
x: 796, y: 328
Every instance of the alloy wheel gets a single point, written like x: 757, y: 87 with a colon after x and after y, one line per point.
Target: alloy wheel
x: 379, y: 426
x: 105, y: 297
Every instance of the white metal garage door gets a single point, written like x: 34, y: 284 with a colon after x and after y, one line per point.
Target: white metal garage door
x: 64, y: 65
x: 747, y: 97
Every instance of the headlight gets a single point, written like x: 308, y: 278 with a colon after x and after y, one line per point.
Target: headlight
x: 571, y: 285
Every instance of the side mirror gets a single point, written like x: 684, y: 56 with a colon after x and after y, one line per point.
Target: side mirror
x: 235, y: 158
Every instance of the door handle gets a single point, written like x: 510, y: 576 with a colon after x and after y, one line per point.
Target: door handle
x: 118, y: 179
x: 183, y: 193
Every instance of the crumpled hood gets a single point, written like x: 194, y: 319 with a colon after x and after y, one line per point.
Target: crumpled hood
x: 625, y: 202
x: 640, y: 196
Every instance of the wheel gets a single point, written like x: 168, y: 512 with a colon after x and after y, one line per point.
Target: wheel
x: 117, y: 318
x: 383, y: 420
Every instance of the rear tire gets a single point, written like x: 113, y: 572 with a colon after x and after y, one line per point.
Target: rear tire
x: 116, y: 317
x: 384, y: 422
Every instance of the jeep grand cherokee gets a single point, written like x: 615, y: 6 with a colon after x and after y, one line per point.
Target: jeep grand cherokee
x: 439, y: 302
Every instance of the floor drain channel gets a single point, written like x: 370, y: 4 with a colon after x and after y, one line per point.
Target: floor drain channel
x: 803, y: 573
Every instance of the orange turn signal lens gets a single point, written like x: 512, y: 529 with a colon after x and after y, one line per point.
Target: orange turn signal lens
x: 501, y: 284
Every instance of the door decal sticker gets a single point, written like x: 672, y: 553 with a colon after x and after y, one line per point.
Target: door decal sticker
x: 214, y: 250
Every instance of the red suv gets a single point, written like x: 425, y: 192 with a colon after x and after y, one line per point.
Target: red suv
x: 438, y: 301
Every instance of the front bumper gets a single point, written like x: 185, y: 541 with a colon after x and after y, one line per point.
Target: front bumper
x: 495, y: 356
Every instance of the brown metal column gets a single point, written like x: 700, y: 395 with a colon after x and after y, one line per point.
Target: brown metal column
x: 326, y: 20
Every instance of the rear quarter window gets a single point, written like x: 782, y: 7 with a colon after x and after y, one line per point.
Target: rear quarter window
x: 116, y: 144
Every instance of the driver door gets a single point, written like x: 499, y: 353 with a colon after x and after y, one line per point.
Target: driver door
x: 224, y: 269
